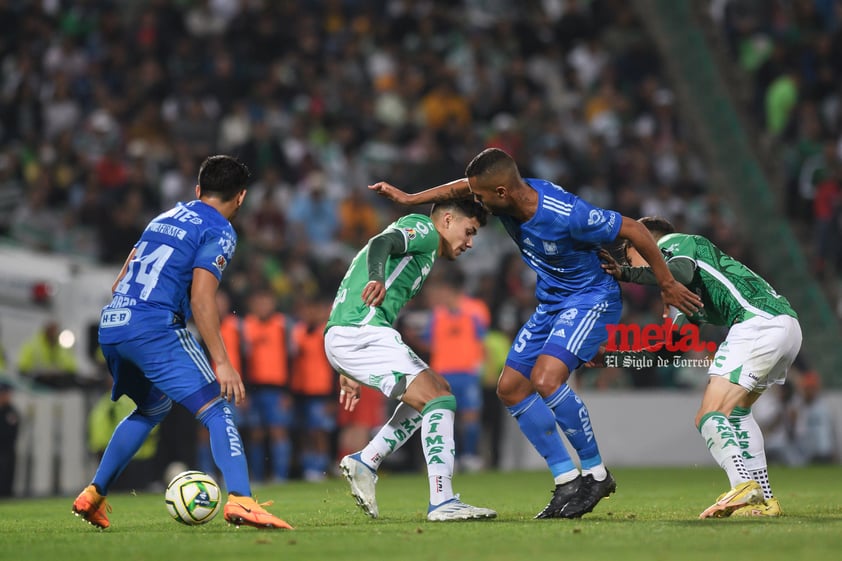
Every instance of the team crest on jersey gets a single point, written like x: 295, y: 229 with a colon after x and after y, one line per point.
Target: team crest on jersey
x: 410, y: 233
x: 568, y: 316
x: 220, y: 262
x: 550, y: 248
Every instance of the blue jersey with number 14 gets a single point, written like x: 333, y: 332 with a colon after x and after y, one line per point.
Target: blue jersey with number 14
x: 560, y: 244
x: 154, y: 293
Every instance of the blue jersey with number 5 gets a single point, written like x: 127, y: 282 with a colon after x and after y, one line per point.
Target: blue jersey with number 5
x: 155, y: 291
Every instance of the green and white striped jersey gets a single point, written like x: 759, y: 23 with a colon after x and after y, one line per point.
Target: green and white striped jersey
x: 405, y: 273
x: 729, y: 290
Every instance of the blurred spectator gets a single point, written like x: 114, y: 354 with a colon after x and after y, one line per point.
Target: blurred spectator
x: 105, y: 108
x: 775, y: 411
x: 456, y: 334
x: 815, y: 434
x: 9, y: 425
x: 312, y: 384
x: 268, y: 349
x: 497, y: 345
x: 44, y: 360
x: 357, y: 427
x: 358, y: 218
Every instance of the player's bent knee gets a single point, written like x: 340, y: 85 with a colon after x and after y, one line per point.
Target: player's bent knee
x: 216, y: 408
x: 513, y: 387
x: 157, y: 412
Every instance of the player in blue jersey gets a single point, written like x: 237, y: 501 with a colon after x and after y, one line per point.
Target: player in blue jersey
x: 559, y: 236
x: 172, y: 274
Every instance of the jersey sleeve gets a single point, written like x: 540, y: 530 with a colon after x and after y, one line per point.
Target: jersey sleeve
x: 678, y: 246
x: 215, y: 251
x: 419, y: 232
x: 593, y: 224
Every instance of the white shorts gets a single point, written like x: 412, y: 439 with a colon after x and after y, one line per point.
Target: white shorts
x: 758, y: 352
x: 374, y: 356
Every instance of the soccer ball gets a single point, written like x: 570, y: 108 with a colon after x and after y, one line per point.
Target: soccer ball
x: 193, y: 498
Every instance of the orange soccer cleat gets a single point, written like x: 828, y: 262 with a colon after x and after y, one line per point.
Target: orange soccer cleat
x: 92, y: 506
x: 245, y: 510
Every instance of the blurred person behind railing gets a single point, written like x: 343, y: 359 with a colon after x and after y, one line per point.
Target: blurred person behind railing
x: 9, y: 424
x: 814, y: 430
x: 44, y: 360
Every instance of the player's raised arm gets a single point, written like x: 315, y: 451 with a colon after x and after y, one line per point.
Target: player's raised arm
x: 380, y: 248
x: 673, y: 292
x: 447, y: 192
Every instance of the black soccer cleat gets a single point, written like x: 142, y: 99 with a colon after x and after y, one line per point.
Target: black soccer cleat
x: 561, y: 495
x: 590, y: 493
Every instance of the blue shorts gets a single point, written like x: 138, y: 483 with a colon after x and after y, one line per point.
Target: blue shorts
x: 268, y: 407
x: 315, y: 412
x: 467, y: 391
x: 571, y: 332
x: 168, y: 361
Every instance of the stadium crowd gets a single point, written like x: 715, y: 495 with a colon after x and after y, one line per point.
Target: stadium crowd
x: 790, y: 53
x: 108, y: 107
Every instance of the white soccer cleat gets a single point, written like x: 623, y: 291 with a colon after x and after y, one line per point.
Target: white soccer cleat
x: 455, y: 509
x: 363, y: 481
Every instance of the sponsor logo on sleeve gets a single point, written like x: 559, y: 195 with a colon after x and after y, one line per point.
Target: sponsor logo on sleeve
x: 220, y: 262
x: 595, y: 216
x: 410, y: 233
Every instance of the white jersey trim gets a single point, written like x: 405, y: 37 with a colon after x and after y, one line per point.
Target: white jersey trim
x: 733, y: 290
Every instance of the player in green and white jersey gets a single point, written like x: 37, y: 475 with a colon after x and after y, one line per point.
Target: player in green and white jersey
x: 763, y: 340
x: 363, y: 347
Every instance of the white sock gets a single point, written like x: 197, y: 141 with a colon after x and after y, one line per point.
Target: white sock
x: 566, y: 477
x: 722, y: 444
x: 598, y: 472
x: 750, y: 438
x: 439, y: 451
x: 405, y: 421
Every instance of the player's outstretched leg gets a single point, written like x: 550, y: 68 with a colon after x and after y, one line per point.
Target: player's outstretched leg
x: 127, y: 439
x: 360, y: 469
x: 362, y: 480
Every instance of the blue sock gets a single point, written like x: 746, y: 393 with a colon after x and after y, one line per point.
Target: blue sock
x: 227, y: 447
x: 538, y: 425
x: 470, y: 438
x: 204, y: 458
x: 127, y: 439
x: 573, y: 418
x: 281, y: 456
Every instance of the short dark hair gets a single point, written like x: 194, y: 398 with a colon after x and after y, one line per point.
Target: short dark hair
x: 467, y: 206
x: 223, y: 176
x: 657, y: 225
x: 490, y: 161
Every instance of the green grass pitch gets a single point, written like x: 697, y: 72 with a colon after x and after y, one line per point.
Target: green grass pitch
x: 653, y: 516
